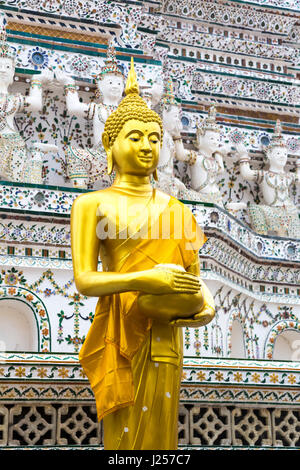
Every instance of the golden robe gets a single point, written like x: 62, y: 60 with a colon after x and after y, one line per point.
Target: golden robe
x: 133, y: 363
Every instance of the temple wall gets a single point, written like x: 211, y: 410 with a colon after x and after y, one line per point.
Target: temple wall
x: 244, y: 366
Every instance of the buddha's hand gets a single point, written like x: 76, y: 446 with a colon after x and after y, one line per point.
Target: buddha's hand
x: 204, y: 316
x: 166, y: 281
x: 198, y: 320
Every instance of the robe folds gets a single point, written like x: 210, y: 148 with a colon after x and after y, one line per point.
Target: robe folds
x: 134, y: 363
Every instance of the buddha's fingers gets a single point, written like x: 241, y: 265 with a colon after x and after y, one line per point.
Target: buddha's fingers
x: 186, y: 288
x: 186, y: 283
x: 191, y: 281
x: 186, y: 275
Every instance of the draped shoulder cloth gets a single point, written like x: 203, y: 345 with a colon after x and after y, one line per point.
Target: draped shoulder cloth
x: 119, y: 329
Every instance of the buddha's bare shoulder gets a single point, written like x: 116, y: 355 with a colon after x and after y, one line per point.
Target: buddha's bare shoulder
x: 91, y: 199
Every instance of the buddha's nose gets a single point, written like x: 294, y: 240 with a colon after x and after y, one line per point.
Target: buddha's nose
x: 146, y: 148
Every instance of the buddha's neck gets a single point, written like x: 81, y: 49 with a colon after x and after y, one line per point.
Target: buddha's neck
x: 123, y: 180
x: 134, y: 182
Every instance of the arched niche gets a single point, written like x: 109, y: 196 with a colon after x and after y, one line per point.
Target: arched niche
x: 26, y: 308
x: 287, y: 346
x: 18, y: 326
x: 237, y: 345
x: 283, y: 341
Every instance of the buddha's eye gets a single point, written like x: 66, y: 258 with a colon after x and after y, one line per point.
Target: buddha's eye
x: 134, y: 139
x: 153, y: 141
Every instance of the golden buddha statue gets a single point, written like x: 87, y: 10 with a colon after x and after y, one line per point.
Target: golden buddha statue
x: 149, y: 286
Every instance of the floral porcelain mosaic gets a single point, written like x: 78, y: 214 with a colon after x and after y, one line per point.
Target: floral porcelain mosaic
x: 224, y: 77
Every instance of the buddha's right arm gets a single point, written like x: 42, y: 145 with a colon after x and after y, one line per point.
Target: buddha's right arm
x: 85, y: 246
x: 85, y: 249
x: 151, y: 281
x: 97, y: 284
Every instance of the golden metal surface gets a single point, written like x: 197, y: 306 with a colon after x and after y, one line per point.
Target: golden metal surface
x: 133, y: 360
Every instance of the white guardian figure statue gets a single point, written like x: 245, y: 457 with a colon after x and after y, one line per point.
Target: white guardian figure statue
x: 87, y: 166
x: 16, y: 162
x: 278, y: 215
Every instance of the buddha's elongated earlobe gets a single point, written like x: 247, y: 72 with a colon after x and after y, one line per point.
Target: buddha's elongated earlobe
x: 110, y: 161
x: 155, y: 175
x: 108, y: 150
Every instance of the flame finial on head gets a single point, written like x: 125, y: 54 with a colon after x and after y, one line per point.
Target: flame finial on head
x: 132, y: 86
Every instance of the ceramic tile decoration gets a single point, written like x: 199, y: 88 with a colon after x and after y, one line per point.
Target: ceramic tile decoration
x: 240, y: 383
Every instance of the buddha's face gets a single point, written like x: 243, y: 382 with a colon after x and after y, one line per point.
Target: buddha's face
x: 277, y: 156
x: 111, y: 86
x: 136, y: 148
x: 7, y: 71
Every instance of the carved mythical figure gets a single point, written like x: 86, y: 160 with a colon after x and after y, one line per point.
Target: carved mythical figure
x: 207, y: 163
x: 149, y: 286
x: 172, y: 147
x: 278, y: 215
x: 86, y: 166
x: 16, y: 164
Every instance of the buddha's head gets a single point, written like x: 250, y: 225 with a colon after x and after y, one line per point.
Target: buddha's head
x: 132, y: 134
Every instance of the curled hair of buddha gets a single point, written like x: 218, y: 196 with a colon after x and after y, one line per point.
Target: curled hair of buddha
x: 131, y: 107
